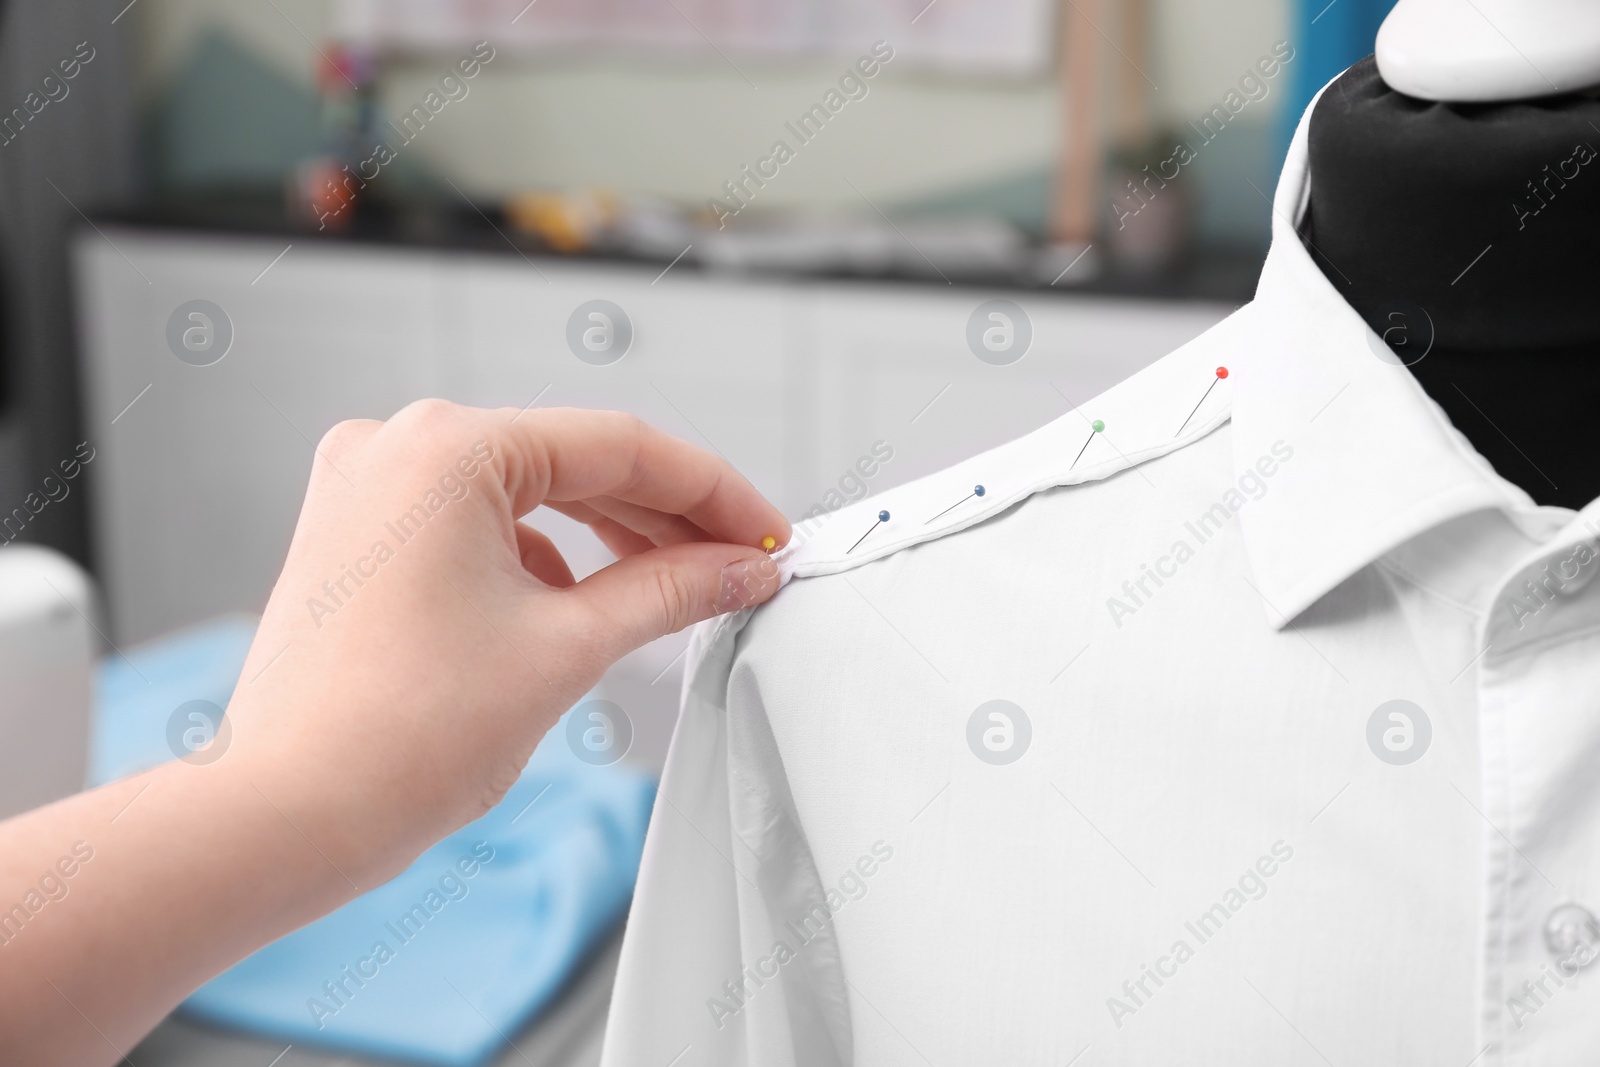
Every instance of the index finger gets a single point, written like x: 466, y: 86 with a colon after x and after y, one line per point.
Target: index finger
x: 568, y: 454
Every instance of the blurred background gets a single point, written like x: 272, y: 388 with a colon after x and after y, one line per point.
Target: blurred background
x: 807, y: 234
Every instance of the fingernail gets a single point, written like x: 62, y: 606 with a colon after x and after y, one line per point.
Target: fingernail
x: 746, y: 583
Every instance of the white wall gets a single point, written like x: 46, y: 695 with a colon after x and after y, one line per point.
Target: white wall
x: 680, y: 129
x: 1202, y: 47
x: 683, y: 131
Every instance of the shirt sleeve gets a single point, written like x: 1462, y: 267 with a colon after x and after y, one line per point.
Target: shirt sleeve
x: 730, y: 956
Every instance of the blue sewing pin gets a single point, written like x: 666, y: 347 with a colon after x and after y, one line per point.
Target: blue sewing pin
x: 1222, y: 372
x: 977, y: 490
x: 883, y: 517
x: 1094, y: 427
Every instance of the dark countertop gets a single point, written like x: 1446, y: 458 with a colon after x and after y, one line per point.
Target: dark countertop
x: 1226, y: 274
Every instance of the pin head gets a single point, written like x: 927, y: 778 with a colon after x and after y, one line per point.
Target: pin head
x: 1097, y: 426
x: 1222, y: 372
x: 768, y: 543
x: 883, y: 516
x: 977, y: 490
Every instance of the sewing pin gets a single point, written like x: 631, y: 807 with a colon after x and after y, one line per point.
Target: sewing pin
x: 977, y: 490
x: 883, y: 517
x: 1222, y: 372
x: 1094, y: 427
x: 768, y: 543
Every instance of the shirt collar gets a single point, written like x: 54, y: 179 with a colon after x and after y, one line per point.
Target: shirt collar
x: 1375, y: 461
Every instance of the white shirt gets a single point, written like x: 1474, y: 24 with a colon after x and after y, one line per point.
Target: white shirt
x: 1217, y: 841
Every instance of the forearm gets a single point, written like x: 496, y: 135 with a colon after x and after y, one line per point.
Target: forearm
x: 174, y: 875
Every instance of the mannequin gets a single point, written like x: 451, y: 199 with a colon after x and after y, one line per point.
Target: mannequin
x: 1407, y: 194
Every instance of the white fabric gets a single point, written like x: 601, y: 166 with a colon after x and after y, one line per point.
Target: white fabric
x: 1199, y: 772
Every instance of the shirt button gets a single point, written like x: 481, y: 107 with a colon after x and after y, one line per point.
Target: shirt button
x: 1571, y: 933
x: 1574, y: 575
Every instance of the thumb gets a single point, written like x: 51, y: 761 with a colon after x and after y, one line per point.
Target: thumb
x: 642, y: 597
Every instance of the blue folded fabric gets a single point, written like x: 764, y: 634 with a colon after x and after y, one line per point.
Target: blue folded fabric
x: 441, y: 964
x: 136, y: 694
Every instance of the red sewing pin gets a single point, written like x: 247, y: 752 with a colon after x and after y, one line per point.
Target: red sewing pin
x: 1222, y: 372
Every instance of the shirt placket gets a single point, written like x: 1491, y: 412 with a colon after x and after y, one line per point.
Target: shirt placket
x: 1539, y: 700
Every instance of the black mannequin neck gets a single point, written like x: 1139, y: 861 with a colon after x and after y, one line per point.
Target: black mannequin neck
x: 1479, y: 225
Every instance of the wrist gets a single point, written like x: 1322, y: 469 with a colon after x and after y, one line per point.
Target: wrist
x: 333, y: 801
x: 244, y: 819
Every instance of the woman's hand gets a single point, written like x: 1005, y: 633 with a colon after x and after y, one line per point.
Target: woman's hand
x: 418, y: 644
x: 421, y: 641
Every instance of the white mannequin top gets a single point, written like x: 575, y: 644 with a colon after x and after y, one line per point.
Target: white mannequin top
x: 1485, y: 50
